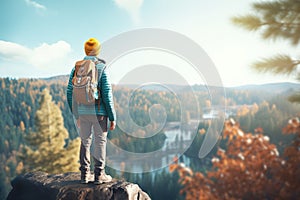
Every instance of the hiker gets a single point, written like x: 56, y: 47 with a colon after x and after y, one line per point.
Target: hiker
x: 92, y: 110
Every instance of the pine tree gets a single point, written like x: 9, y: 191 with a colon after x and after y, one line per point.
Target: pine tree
x: 47, y: 150
x: 276, y: 19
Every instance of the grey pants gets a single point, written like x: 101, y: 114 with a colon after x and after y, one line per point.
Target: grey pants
x: 98, y: 125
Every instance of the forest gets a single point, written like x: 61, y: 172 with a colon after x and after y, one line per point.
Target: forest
x: 255, y: 113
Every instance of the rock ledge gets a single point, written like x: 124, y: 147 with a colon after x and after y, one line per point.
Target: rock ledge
x: 40, y: 185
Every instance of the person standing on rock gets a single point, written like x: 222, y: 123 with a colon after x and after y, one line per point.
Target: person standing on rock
x: 92, y: 117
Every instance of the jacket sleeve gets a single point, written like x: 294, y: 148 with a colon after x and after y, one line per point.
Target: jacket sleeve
x: 107, y: 96
x: 72, y: 107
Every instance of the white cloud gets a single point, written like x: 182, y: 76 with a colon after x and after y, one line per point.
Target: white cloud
x: 13, y: 51
x: 37, y: 6
x: 46, y: 55
x: 46, y: 58
x: 132, y: 7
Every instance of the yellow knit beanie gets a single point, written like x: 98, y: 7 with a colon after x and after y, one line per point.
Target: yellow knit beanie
x: 92, y: 47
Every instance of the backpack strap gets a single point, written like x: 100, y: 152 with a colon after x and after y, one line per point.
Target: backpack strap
x: 99, y: 61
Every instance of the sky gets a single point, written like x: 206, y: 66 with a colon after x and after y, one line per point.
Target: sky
x: 44, y: 38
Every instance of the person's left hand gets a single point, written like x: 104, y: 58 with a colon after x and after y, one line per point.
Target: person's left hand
x: 78, y: 123
x: 112, y: 125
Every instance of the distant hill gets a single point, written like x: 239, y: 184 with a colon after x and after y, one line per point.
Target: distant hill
x: 271, y: 87
x: 59, y: 78
x: 274, y: 88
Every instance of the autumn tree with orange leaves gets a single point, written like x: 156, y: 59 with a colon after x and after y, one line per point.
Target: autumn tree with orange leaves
x: 250, y: 168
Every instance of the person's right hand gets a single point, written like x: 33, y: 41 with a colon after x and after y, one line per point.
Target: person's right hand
x: 112, y: 125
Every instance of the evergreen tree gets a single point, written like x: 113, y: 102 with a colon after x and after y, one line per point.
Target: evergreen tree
x: 47, y: 150
x: 276, y: 19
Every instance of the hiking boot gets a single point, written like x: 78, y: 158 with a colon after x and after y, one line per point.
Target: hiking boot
x: 103, y: 178
x: 86, y: 178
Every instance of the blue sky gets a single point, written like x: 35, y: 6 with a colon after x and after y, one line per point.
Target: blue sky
x: 44, y: 38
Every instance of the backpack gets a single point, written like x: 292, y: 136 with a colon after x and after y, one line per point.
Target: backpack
x: 85, y: 82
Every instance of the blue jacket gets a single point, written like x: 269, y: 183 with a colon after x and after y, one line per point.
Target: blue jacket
x: 106, y: 100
